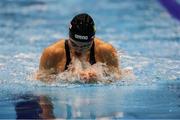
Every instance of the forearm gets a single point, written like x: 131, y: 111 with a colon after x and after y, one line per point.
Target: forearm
x: 113, y: 72
x: 46, y: 75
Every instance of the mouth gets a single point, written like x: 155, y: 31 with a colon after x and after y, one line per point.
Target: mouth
x: 80, y: 50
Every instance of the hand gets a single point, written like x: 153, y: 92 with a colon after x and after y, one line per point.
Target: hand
x: 88, y: 76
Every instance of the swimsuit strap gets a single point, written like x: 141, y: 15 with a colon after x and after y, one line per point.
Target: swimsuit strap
x: 68, y: 58
x: 92, y: 59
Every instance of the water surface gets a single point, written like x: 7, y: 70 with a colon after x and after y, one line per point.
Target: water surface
x: 145, y: 35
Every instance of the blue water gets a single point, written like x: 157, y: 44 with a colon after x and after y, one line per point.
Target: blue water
x: 145, y: 35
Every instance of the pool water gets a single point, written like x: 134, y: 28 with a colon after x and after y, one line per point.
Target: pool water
x: 146, y: 36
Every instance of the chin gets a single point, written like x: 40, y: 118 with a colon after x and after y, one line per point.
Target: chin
x: 80, y: 52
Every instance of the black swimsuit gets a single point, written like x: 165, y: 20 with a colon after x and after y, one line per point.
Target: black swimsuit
x: 92, y: 59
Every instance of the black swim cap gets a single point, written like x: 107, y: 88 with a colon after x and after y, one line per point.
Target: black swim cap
x: 82, y: 28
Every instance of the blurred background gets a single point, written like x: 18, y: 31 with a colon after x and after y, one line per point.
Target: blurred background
x: 146, y: 34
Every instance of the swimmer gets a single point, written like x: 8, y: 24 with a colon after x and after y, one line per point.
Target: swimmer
x: 81, y: 45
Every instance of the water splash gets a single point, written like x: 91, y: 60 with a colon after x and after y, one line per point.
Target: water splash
x: 99, y: 72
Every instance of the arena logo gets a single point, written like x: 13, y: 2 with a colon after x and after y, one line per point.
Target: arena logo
x: 81, y: 37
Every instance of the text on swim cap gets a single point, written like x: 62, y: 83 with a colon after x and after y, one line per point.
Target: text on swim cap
x: 81, y: 37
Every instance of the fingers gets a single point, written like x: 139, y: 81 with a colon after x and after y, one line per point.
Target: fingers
x: 92, y: 75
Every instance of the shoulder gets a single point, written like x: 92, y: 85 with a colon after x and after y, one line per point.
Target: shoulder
x: 106, y: 53
x: 52, y: 55
x: 55, y: 49
x: 103, y: 47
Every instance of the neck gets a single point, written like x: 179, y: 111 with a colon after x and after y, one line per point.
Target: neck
x: 82, y: 56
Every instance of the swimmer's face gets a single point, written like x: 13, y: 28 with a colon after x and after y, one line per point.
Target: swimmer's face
x: 80, y: 46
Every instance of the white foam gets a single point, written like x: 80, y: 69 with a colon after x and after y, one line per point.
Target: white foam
x: 1, y: 65
x: 25, y: 56
x: 74, y: 74
x: 128, y: 74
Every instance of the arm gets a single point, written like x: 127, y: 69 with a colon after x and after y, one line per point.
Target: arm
x: 48, y: 64
x: 110, y: 57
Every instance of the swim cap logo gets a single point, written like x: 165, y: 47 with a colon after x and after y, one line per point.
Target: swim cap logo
x: 70, y: 26
x: 81, y: 37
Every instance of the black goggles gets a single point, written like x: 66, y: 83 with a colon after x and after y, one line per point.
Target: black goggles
x: 83, y: 45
